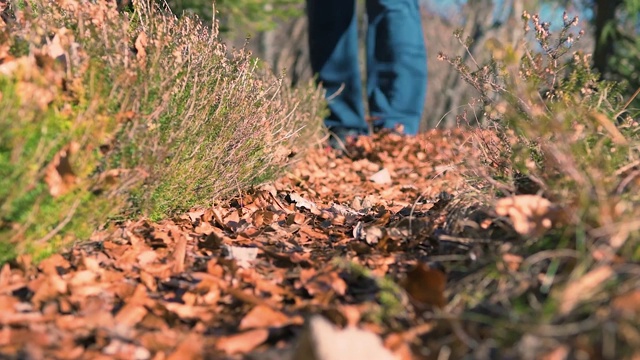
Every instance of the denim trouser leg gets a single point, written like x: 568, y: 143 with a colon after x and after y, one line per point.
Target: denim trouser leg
x: 396, y: 63
x: 333, y: 40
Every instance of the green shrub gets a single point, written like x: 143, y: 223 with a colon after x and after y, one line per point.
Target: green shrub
x: 550, y: 126
x: 560, y: 126
x: 109, y: 114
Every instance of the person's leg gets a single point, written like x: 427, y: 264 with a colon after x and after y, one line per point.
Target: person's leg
x: 396, y: 63
x: 333, y: 45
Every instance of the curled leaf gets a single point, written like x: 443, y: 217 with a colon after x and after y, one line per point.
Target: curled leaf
x: 530, y: 214
x: 59, y: 175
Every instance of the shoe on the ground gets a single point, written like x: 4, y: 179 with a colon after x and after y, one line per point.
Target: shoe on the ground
x: 339, y: 137
x: 397, y: 129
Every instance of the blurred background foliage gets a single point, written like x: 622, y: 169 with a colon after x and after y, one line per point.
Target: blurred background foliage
x: 277, y: 30
x: 246, y: 16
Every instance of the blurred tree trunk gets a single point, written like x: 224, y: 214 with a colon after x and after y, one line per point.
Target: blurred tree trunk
x: 266, y: 44
x: 291, y: 53
x: 604, y: 24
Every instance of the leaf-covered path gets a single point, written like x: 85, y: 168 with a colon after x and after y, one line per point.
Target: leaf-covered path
x: 364, y: 240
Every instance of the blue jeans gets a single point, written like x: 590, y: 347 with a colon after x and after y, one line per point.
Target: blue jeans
x: 396, y: 62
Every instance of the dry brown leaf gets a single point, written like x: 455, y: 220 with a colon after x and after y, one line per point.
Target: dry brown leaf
x: 134, y: 309
x: 59, y: 175
x: 146, y: 257
x: 148, y: 280
x: 313, y: 233
x: 48, y: 288
x: 530, y: 214
x: 190, y: 348
x: 373, y: 234
x: 303, y: 203
x: 179, y: 255
x: 232, y: 219
x: 84, y: 277
x: 51, y: 264
x: 262, y: 316
x: 243, y: 342
x: 321, y: 284
x: 320, y: 340
x: 244, y: 256
x: 131, y: 314
x: 159, y: 341
x: 382, y: 177
x: 299, y: 218
x: 189, y: 312
x: 426, y: 285
x: 196, y: 215
x: 55, y: 49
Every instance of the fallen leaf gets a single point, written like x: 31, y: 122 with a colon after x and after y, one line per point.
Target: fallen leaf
x: 134, y: 309
x: 195, y: 215
x: 179, y: 254
x: 373, y: 234
x: 190, y: 348
x: 426, y: 285
x: 121, y: 349
x: 147, y: 257
x: 262, y: 316
x: 84, y: 277
x: 52, y: 264
x: 302, y: 202
x: 189, y: 312
x: 382, y: 177
x: 299, y: 218
x: 243, y: 256
x: 59, y: 175
x: 320, y: 340
x: 55, y: 49
x: 531, y: 214
x: 322, y: 283
x: 243, y: 342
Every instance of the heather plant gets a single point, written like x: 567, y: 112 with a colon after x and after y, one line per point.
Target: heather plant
x: 109, y: 114
x: 551, y: 128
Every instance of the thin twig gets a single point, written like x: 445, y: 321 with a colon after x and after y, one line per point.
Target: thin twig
x: 62, y: 224
x: 623, y: 184
x: 626, y: 105
x: 464, y: 240
x: 549, y: 330
x: 627, y: 167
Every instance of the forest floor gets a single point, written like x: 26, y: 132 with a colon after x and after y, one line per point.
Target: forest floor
x: 388, y: 239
